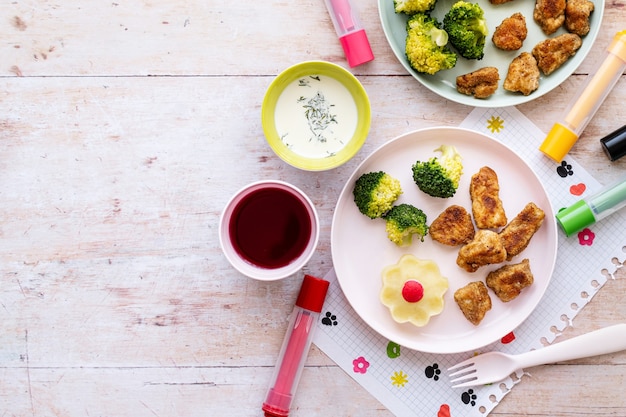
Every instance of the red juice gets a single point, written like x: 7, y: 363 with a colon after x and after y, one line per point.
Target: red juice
x: 270, y: 227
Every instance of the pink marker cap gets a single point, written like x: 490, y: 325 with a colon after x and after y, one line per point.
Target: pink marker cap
x: 357, y: 48
x: 312, y: 293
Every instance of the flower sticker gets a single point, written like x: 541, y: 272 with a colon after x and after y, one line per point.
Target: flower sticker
x: 360, y: 365
x: 399, y: 379
x: 585, y: 237
x: 495, y: 124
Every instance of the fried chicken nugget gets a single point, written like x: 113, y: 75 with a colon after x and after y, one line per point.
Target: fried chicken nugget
x: 480, y: 83
x: 511, y: 33
x: 474, y: 301
x: 508, y: 281
x: 549, y: 15
x: 452, y: 227
x: 487, y: 207
x: 517, y: 234
x: 554, y: 52
x: 577, y: 14
x: 523, y: 74
x: 486, y: 248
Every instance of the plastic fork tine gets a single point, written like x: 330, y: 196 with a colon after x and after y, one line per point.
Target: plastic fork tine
x: 483, y: 369
x: 467, y: 380
x: 463, y: 364
x: 464, y: 374
x: 495, y: 366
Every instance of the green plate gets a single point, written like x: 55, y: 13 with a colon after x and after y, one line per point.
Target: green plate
x: 444, y: 82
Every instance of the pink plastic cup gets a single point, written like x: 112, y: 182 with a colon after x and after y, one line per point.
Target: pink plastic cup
x: 269, y: 230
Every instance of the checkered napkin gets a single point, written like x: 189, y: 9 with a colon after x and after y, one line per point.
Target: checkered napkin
x: 409, y: 382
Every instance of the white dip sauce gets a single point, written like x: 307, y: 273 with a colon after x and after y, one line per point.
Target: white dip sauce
x: 315, y: 116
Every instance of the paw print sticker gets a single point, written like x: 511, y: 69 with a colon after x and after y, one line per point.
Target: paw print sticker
x: 564, y: 170
x: 433, y: 372
x: 469, y: 398
x: 329, y: 319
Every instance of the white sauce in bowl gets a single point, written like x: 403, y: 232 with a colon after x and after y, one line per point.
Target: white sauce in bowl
x: 315, y: 116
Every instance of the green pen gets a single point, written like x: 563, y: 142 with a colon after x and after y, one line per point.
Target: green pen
x: 592, y: 209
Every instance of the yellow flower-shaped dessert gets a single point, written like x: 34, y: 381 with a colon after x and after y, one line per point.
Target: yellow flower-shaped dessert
x: 413, y: 290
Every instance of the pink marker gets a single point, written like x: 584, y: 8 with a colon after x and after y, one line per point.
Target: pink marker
x: 351, y: 34
x: 295, y: 347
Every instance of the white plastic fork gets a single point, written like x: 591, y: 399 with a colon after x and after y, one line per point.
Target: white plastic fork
x: 495, y: 366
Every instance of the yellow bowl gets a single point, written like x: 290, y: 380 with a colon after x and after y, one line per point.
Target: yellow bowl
x: 315, y: 115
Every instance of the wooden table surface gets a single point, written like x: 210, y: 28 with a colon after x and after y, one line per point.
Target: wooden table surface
x: 124, y: 128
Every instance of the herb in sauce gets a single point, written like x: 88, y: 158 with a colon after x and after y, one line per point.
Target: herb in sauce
x: 318, y: 116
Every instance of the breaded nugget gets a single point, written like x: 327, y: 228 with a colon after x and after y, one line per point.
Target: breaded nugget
x: 552, y: 53
x: 480, y: 83
x: 474, y: 301
x: 496, y: 2
x: 549, y: 15
x: 511, y: 33
x: 517, y: 234
x: 487, y: 207
x: 508, y: 281
x: 577, y: 14
x: 452, y: 227
x: 523, y: 74
x: 485, y: 249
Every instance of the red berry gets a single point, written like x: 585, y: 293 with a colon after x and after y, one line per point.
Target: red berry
x: 412, y: 291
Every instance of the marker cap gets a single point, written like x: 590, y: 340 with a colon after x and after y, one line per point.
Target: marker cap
x: 618, y: 46
x: 558, y: 142
x: 312, y: 293
x: 357, y: 48
x: 614, y: 144
x: 575, y: 218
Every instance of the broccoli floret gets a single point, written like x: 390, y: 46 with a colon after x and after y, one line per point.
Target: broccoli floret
x: 426, y: 48
x: 375, y: 193
x: 439, y: 176
x: 403, y: 221
x: 411, y: 7
x: 467, y: 28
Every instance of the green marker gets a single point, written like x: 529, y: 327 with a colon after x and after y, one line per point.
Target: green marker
x: 592, y: 209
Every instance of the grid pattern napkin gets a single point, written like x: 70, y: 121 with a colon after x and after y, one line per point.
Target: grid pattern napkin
x: 409, y: 382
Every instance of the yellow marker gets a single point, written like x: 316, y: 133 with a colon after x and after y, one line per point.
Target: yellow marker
x: 592, y: 93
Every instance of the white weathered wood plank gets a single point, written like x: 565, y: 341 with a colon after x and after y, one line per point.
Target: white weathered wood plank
x: 239, y: 391
x: 192, y: 38
x: 113, y: 262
